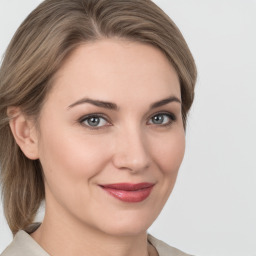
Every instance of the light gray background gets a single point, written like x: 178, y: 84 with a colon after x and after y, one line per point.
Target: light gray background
x: 212, y: 210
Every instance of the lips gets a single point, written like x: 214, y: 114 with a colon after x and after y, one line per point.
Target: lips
x: 128, y: 192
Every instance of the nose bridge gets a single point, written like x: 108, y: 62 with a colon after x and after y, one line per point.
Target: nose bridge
x: 131, y: 149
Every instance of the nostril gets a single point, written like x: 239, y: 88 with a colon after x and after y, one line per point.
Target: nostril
x: 131, y: 151
x: 131, y: 162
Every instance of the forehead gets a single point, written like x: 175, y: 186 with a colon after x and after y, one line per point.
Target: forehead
x: 117, y: 69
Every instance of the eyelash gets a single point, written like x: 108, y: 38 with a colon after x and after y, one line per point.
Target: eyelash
x: 90, y: 116
x: 82, y: 120
x: 170, y: 116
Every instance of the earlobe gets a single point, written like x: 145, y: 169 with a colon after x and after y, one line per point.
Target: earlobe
x: 24, y: 132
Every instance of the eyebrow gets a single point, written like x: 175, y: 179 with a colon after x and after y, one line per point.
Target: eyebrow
x: 98, y: 103
x: 165, y: 101
x: 113, y: 106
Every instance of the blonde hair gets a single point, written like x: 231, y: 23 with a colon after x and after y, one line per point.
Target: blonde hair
x: 40, y: 45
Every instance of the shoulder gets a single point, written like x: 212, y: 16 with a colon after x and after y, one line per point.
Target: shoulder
x: 164, y: 249
x: 23, y: 244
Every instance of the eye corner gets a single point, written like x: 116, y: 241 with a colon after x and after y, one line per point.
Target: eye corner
x: 162, y: 119
x: 94, y: 121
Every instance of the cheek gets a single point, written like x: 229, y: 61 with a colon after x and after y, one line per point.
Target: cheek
x: 167, y: 154
x: 70, y: 164
x: 170, y: 153
x: 67, y: 158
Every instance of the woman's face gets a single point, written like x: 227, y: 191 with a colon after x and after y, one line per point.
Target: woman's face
x: 111, y: 137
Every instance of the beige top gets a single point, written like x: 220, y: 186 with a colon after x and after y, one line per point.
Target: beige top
x: 24, y: 245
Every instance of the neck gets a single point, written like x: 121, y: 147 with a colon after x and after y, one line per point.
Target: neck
x: 80, y: 239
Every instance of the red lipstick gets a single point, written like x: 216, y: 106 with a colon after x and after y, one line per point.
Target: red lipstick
x: 128, y: 192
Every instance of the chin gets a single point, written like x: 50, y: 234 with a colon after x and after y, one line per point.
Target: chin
x: 128, y: 224
x: 126, y: 230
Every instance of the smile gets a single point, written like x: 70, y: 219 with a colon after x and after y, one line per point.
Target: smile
x: 128, y: 192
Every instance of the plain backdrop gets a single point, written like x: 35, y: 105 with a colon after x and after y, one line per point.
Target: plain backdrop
x: 212, y: 210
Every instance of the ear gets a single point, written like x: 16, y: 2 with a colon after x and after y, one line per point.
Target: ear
x: 24, y: 132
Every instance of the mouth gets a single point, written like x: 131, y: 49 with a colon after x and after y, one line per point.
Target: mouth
x: 128, y: 192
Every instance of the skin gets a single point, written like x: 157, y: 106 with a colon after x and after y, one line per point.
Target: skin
x: 125, y: 146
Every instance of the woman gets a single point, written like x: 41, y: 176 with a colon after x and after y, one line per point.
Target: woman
x: 94, y: 100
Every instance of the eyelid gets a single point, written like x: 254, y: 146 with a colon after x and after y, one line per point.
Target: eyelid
x: 171, y: 115
x: 99, y: 115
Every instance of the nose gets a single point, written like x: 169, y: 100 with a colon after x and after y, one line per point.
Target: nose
x: 131, y: 151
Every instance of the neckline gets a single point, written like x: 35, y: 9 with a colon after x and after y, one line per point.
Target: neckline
x: 23, y: 238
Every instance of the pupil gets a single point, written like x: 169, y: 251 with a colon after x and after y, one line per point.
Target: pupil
x: 94, y: 121
x: 158, y: 119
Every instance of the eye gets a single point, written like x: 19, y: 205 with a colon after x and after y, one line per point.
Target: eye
x: 94, y: 121
x: 162, y: 119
